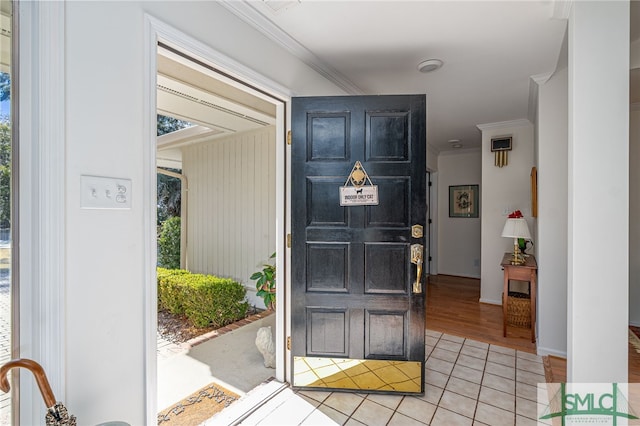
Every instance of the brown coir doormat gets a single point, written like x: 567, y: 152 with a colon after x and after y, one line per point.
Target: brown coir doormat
x: 197, y: 407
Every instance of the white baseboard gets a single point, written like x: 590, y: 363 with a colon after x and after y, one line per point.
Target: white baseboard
x: 548, y: 351
x: 491, y: 301
x: 634, y: 323
x: 456, y: 274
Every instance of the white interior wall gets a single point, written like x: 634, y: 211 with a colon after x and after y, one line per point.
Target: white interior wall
x: 598, y: 284
x: 634, y: 214
x: 102, y: 359
x: 551, y: 242
x: 458, y: 238
x: 231, y: 215
x: 105, y: 259
x: 504, y: 189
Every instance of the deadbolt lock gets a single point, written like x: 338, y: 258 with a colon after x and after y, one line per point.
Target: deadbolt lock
x: 416, y: 231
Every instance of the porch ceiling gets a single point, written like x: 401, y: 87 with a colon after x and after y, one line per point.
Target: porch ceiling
x: 194, y: 92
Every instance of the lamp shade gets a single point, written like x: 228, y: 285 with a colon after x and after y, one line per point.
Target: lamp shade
x: 516, y: 228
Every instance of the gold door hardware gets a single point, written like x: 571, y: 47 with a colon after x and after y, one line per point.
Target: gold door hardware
x: 288, y: 343
x: 289, y: 137
x: 390, y: 376
x: 416, y: 231
x: 417, y: 251
x: 288, y: 240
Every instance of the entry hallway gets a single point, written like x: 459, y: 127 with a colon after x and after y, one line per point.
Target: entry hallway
x: 468, y: 382
x: 483, y: 379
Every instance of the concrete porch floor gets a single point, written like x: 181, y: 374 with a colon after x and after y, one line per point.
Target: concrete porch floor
x: 231, y: 360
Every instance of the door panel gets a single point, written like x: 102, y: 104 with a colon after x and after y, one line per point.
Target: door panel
x: 387, y: 270
x: 327, y: 267
x: 387, y: 136
x: 357, y: 319
x: 391, y: 215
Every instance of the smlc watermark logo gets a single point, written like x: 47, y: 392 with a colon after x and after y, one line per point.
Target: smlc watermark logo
x: 588, y: 403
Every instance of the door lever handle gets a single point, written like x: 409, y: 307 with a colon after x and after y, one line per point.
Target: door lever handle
x: 416, y: 258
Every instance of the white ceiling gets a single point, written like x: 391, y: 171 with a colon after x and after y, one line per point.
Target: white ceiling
x: 490, y: 49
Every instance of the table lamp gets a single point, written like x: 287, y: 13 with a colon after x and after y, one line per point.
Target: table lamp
x: 516, y: 227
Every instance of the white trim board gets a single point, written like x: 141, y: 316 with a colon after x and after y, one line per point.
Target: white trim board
x: 41, y: 222
x: 491, y: 301
x: 542, y: 351
x: 523, y: 122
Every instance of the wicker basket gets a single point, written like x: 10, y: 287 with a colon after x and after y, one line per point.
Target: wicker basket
x: 519, y: 310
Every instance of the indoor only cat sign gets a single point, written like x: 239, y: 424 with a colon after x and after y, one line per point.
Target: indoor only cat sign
x: 358, y: 193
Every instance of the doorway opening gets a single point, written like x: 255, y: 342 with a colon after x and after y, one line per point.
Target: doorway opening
x: 222, y: 158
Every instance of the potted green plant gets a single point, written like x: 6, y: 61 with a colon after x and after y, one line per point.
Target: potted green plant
x: 266, y: 284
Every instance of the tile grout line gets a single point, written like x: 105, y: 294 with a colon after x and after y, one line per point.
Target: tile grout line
x: 447, y: 382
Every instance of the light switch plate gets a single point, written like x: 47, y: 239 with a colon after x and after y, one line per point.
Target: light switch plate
x: 97, y: 192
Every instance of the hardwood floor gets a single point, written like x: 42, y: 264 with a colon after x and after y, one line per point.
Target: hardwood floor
x: 453, y: 307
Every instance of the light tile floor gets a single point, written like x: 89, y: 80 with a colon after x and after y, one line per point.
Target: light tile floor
x: 467, y: 383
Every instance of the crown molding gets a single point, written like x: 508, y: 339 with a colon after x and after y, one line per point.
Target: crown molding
x: 561, y: 9
x: 472, y: 150
x: 541, y: 79
x: 522, y: 122
x: 253, y: 17
x: 534, y: 82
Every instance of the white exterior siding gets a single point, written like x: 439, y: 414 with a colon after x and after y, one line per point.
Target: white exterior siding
x: 231, y: 206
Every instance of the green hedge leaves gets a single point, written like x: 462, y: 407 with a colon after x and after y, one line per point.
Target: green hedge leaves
x: 206, y: 300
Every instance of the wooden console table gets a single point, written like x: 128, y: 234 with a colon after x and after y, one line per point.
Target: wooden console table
x: 524, y: 272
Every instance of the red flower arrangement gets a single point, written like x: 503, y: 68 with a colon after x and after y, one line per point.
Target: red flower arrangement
x: 515, y: 215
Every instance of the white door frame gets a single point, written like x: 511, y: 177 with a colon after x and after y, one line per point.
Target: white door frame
x: 156, y: 30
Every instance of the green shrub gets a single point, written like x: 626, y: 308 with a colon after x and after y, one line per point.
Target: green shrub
x: 171, y: 292
x: 169, y: 244
x: 206, y: 300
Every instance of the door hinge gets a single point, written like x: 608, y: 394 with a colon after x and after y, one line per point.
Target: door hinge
x: 430, y: 259
x: 430, y: 221
x: 288, y: 240
x: 289, y: 137
x: 288, y: 343
x: 429, y: 183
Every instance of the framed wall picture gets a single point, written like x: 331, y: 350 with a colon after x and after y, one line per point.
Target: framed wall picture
x: 463, y: 201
